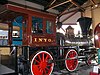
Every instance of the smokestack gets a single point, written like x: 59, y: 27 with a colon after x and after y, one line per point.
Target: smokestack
x: 85, y: 23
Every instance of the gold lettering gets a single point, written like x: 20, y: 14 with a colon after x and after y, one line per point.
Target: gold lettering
x: 40, y: 40
x: 49, y: 40
x: 35, y: 39
x: 45, y: 40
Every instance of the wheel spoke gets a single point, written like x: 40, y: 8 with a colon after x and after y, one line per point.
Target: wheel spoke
x: 49, y: 65
x: 37, y: 61
x: 44, y: 71
x: 47, y: 69
x: 46, y: 57
x: 39, y: 64
x: 42, y: 56
x: 36, y: 65
x: 41, y: 71
x: 39, y: 57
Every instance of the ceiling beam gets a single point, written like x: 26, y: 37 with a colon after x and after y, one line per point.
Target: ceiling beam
x: 93, y: 2
x: 69, y: 16
x: 65, y: 10
x: 70, y: 6
x: 56, y: 5
x: 73, y: 2
x: 68, y: 12
x: 63, y: 29
x: 76, y: 4
x: 52, y: 2
x: 69, y: 23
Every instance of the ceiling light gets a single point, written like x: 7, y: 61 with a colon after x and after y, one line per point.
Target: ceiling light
x: 96, y: 5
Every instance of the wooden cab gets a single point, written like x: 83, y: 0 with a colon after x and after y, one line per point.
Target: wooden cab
x: 39, y: 29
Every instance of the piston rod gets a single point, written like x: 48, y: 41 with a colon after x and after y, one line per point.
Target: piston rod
x: 77, y: 57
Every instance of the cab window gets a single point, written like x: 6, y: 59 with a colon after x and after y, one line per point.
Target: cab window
x: 37, y: 25
x: 49, y: 27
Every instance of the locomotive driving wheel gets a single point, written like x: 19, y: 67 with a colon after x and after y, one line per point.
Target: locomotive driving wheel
x: 71, y: 61
x: 40, y: 64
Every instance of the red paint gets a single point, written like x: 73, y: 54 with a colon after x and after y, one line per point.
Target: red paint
x: 40, y: 65
x: 71, y: 64
x: 97, y: 32
x: 92, y: 73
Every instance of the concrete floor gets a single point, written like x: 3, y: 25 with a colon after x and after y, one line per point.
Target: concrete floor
x: 5, y: 70
x: 82, y: 70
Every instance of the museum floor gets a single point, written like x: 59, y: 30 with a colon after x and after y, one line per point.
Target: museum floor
x: 82, y: 69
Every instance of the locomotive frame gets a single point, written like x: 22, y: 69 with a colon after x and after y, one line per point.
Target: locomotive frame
x: 41, y: 49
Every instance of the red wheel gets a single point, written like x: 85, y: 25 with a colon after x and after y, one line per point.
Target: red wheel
x: 40, y: 65
x: 71, y: 64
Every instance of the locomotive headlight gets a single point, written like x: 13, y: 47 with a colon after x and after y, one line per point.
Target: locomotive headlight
x: 96, y: 37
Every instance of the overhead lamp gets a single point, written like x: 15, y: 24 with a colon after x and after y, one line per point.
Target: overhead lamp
x: 96, y: 5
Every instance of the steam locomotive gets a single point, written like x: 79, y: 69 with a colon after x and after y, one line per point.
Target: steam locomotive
x: 47, y: 48
x: 41, y: 45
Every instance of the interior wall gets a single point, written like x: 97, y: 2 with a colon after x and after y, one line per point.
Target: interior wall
x: 73, y: 19
x: 94, y: 14
x: 70, y: 21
